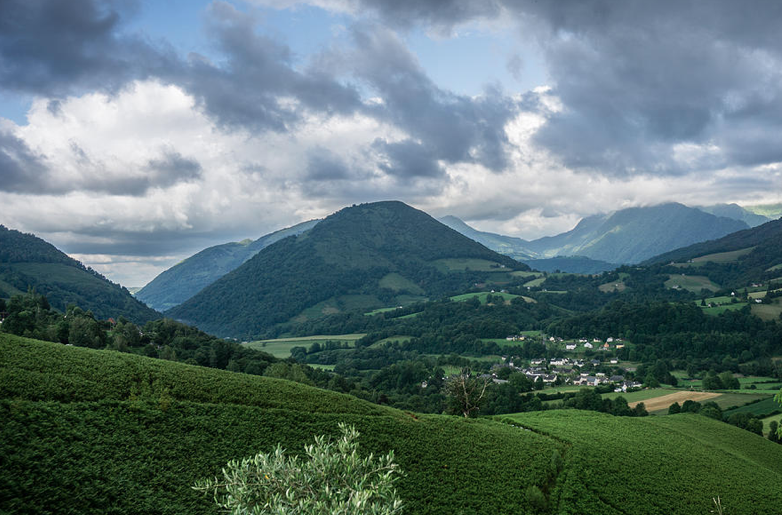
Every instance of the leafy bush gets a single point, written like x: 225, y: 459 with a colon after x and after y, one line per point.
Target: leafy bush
x: 333, y: 479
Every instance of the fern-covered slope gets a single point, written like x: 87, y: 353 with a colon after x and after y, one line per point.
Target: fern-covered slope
x: 114, y: 433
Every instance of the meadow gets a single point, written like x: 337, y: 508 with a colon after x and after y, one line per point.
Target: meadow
x: 281, y: 347
x: 693, y: 283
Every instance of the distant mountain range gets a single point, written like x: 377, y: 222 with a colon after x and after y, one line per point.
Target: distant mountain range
x: 369, y: 256
x: 623, y: 237
x: 28, y: 262
x: 185, y: 279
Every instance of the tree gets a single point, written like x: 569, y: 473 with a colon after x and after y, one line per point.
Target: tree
x: 333, y: 478
x: 674, y: 408
x: 466, y: 392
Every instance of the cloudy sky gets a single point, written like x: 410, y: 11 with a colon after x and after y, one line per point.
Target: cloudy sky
x: 135, y: 133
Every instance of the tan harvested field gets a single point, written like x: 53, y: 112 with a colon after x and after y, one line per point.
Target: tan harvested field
x: 661, y: 403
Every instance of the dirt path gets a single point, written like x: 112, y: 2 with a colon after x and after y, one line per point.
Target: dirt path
x: 660, y: 403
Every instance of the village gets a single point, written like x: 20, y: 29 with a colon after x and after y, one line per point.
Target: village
x: 576, y: 371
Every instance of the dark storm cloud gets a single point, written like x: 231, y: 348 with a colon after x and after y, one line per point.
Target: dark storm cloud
x: 324, y: 165
x: 408, y: 159
x: 21, y: 170
x: 55, y: 48
x: 638, y: 77
x: 452, y: 128
x: 244, y: 90
x: 172, y: 168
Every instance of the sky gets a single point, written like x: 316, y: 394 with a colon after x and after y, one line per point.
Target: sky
x: 134, y: 133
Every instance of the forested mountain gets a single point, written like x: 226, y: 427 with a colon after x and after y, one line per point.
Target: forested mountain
x: 27, y: 261
x: 185, y: 279
x: 635, y: 234
x: 367, y: 256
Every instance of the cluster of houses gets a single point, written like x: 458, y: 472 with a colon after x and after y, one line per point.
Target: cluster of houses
x: 563, y: 371
x: 586, y: 343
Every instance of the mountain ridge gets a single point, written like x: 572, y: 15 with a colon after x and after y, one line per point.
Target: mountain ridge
x: 370, y: 255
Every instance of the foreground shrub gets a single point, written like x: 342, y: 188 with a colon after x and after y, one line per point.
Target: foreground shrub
x: 332, y: 479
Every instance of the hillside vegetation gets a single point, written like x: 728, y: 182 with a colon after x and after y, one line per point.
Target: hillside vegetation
x: 28, y: 262
x: 88, y: 431
x: 339, y: 265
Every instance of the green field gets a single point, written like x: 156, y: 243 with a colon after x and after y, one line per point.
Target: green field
x: 693, y: 283
x: 281, y: 347
x: 640, y: 395
x: 764, y: 407
x: 774, y: 268
x: 612, y: 286
x: 724, y: 257
x: 768, y: 311
x: 464, y: 264
x: 396, y: 282
x: 95, y: 432
x: 534, y: 283
x: 483, y: 295
x: 767, y: 422
x: 520, y: 273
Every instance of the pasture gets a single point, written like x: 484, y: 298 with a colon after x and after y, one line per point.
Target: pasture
x: 281, y: 347
x: 724, y: 257
x: 397, y: 282
x: 693, y: 283
x: 467, y: 264
x: 764, y: 407
x: 482, y: 297
x: 768, y: 311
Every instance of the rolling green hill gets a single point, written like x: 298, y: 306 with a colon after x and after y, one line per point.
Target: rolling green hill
x: 363, y: 257
x: 27, y: 261
x: 88, y: 431
x: 185, y: 279
x: 762, y: 236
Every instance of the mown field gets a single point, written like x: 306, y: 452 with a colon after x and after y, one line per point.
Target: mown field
x: 90, y: 432
x: 693, y: 283
x: 281, y: 347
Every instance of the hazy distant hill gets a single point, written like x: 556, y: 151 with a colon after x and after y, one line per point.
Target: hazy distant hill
x: 27, y: 261
x: 635, y: 234
x: 508, y: 245
x: 367, y: 256
x: 185, y: 279
x: 736, y: 212
x: 622, y: 237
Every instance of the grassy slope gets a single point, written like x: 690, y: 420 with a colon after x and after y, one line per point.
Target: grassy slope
x: 130, y: 435
x: 660, y: 465
x: 100, y: 432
